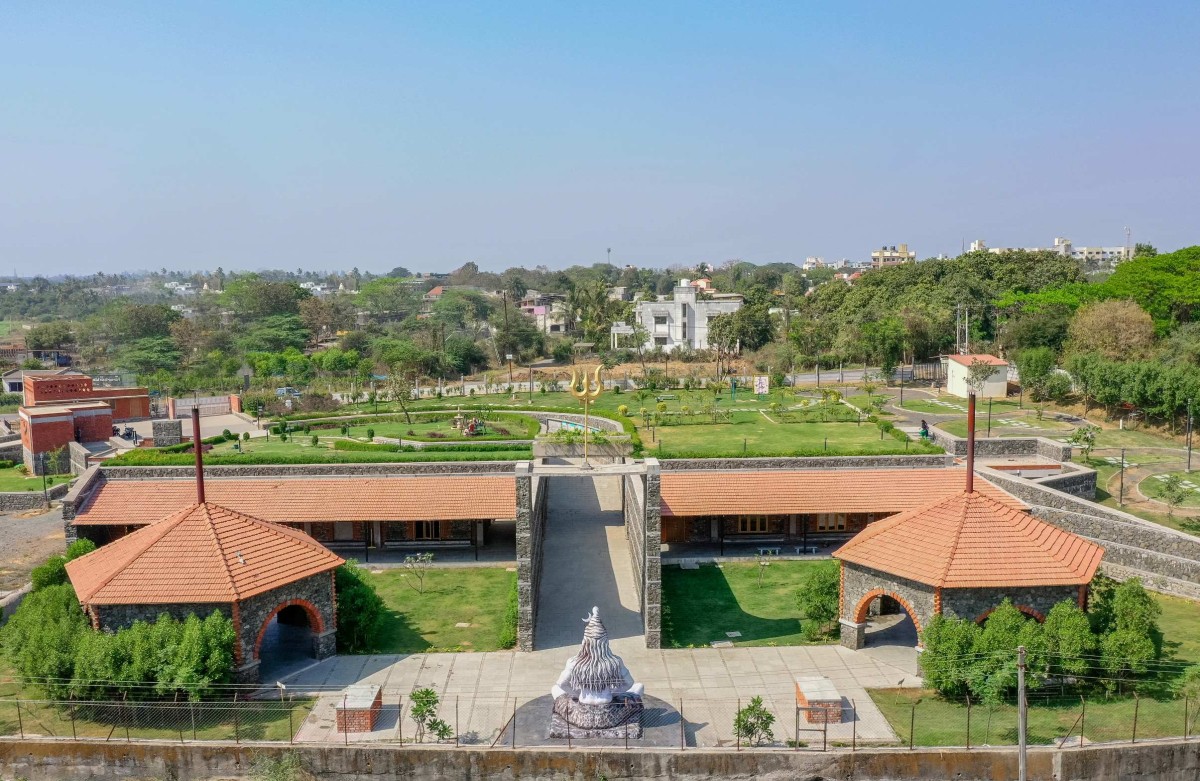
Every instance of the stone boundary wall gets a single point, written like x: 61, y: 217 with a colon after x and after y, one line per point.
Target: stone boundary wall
x: 11, y: 601
x: 808, y: 462
x: 1078, y: 481
x: 642, y: 505
x: 79, y: 457
x: 1129, y: 541
x: 542, y: 415
x: 47, y: 759
x: 633, y: 505
x: 1002, y: 446
x: 612, y: 452
x: 531, y: 524
x: 310, y: 470
x: 16, y: 501
x: 11, y: 450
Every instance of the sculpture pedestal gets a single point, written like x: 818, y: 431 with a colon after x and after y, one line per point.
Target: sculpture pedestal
x: 620, y: 718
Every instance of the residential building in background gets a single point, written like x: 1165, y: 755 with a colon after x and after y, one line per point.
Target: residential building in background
x: 892, y: 256
x: 1063, y: 246
x: 547, y: 310
x: 958, y: 367
x: 682, y: 320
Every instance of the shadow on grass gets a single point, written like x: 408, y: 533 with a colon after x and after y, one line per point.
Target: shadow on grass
x: 398, y: 636
x: 703, y: 607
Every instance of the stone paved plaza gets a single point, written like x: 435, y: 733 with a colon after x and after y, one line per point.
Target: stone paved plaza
x: 587, y: 563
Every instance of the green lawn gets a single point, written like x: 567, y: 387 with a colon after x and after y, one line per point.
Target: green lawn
x: 752, y: 433
x: 958, y: 406
x: 700, y: 606
x: 1002, y: 426
x: 1105, y: 476
x: 1115, y: 437
x: 298, y: 450
x: 419, y: 622
x: 509, y: 427
x: 11, y: 479
x: 1152, y: 486
x: 943, y: 723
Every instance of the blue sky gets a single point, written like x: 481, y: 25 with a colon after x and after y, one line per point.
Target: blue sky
x: 251, y: 135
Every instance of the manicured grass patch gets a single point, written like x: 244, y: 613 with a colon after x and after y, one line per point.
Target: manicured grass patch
x: 753, y: 434
x: 11, y: 479
x: 418, y: 622
x: 1117, y: 437
x: 1108, y: 485
x: 701, y: 605
x: 509, y: 427
x: 953, y: 405
x: 1002, y: 427
x: 942, y: 723
x: 1152, y: 486
x: 871, y: 405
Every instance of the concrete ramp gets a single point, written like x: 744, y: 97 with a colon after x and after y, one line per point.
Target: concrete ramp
x: 585, y: 562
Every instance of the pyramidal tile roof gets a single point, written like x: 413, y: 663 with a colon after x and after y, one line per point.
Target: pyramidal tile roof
x: 204, y: 553
x: 973, y: 541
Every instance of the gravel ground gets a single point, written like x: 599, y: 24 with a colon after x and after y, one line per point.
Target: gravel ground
x: 26, y: 540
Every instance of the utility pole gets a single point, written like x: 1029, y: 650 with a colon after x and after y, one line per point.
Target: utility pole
x: 1022, y: 716
x: 507, y: 339
x: 1121, y: 496
x: 1189, y: 436
x: 989, y: 417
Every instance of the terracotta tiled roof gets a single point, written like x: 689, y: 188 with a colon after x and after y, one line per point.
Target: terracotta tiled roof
x: 204, y: 553
x: 813, y: 491
x: 973, y: 541
x: 966, y: 360
x: 314, y: 499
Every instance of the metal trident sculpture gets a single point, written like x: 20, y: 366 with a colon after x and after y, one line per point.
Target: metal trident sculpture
x: 586, y: 392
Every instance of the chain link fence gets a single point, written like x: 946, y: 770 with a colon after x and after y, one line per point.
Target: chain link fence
x: 898, y: 718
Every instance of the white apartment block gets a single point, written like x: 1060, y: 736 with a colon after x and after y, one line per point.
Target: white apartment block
x: 1065, y: 247
x: 682, y: 321
x: 892, y: 256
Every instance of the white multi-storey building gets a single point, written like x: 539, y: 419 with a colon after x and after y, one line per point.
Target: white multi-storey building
x: 682, y: 320
x: 1067, y: 248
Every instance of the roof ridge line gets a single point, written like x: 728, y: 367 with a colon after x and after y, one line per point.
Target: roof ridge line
x: 212, y: 530
x: 962, y: 522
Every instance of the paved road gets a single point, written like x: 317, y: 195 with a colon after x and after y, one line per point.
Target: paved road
x: 26, y: 542
x: 585, y: 563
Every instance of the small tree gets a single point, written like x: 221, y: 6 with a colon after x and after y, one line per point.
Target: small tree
x: 946, y: 662
x: 1084, y: 438
x: 423, y: 709
x: 818, y: 601
x: 977, y: 375
x: 1172, y: 493
x: 418, y: 566
x: 753, y: 723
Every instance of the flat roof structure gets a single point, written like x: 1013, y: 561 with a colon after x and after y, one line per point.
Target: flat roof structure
x: 712, y: 493
x: 308, y: 499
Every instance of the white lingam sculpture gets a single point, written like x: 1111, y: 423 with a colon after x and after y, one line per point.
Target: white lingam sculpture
x: 595, y: 675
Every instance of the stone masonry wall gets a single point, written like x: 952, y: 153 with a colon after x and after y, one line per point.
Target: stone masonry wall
x: 808, y: 462
x: 971, y: 603
x: 1081, y: 483
x: 11, y: 502
x: 652, y: 603
x: 310, y: 470
x: 315, y: 589
x: 858, y: 581
x: 167, y: 432
x: 634, y: 507
x: 531, y: 521
x: 1002, y: 446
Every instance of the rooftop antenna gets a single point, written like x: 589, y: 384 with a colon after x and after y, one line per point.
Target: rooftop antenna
x: 962, y: 328
x: 1128, y: 246
x: 199, y: 450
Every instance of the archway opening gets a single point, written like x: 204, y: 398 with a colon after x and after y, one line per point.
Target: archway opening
x: 287, y: 640
x: 890, y: 622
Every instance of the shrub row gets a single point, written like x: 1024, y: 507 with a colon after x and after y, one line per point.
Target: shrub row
x: 351, y: 445
x: 153, y: 458
x: 913, y: 449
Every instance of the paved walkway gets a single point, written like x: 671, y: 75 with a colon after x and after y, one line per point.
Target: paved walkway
x: 585, y: 562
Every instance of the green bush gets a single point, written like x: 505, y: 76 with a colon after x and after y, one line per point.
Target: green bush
x: 508, y: 630
x: 52, y: 573
x: 359, y: 610
x: 370, y: 433
x: 7, y: 464
x: 313, y: 440
x: 141, y: 457
x: 79, y: 548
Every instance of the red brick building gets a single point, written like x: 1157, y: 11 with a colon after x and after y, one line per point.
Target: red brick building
x: 50, y: 429
x: 125, y: 403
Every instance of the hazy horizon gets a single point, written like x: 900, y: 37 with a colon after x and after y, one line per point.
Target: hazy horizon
x: 276, y: 136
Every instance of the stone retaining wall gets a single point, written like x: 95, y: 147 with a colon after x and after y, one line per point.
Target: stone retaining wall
x: 11, y: 450
x: 310, y: 470
x: 79, y: 456
x: 18, y: 501
x: 1078, y: 481
x: 1002, y: 446
x: 809, y: 462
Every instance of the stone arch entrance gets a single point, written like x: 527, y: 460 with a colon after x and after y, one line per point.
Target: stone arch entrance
x: 906, y: 631
x: 288, y: 635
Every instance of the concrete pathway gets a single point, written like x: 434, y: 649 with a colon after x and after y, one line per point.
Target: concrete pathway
x: 585, y: 563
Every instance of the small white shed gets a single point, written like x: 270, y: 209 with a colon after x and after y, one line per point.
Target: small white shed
x: 996, y: 386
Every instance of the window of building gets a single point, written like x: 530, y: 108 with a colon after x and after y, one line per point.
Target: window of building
x: 752, y: 524
x: 828, y: 522
x: 343, y: 531
x: 661, y: 341
x: 427, y: 530
x: 660, y: 319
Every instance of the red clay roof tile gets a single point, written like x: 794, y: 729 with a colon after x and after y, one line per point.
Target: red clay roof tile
x: 204, y: 553
x: 973, y: 541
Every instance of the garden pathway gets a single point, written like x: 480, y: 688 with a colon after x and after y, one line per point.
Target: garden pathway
x: 585, y: 562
